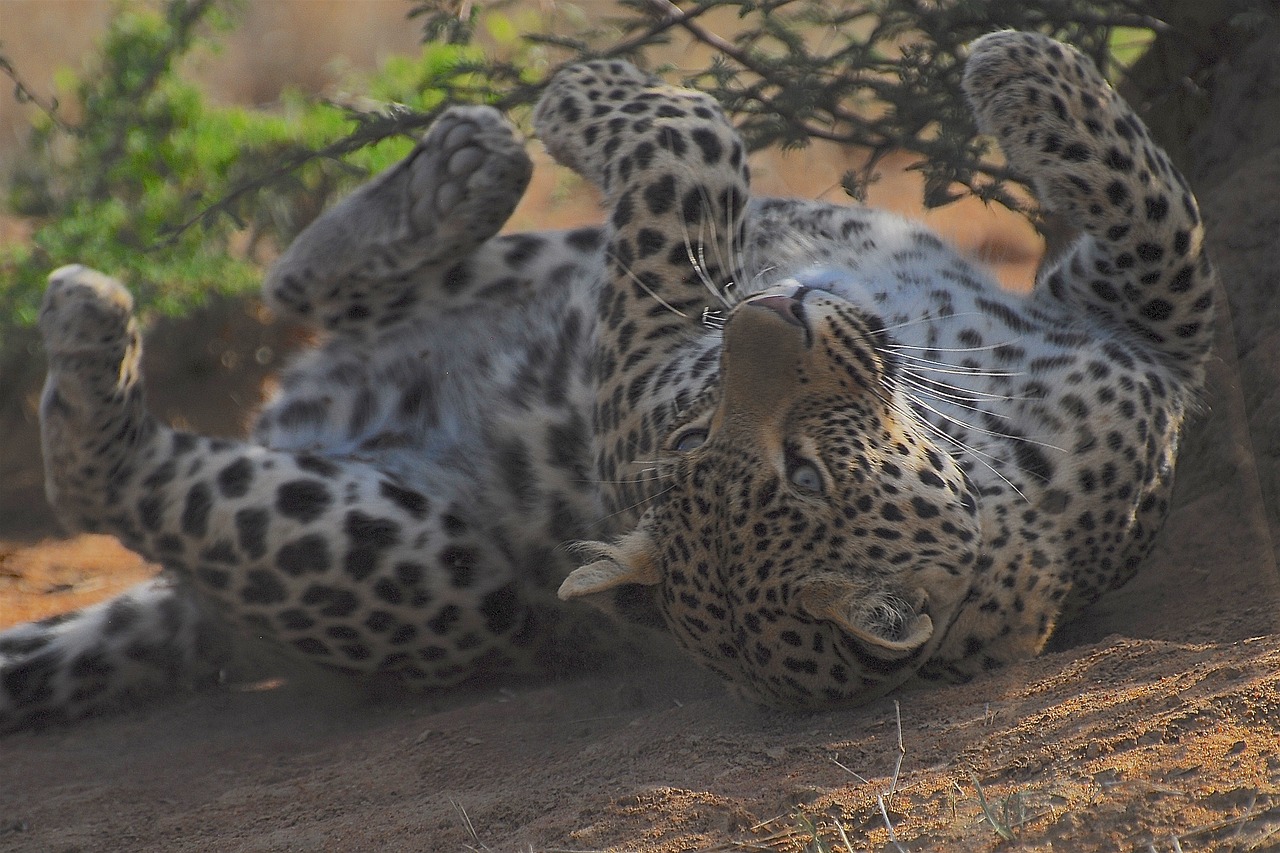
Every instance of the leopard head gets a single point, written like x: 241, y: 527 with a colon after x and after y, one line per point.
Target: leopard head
x: 809, y: 542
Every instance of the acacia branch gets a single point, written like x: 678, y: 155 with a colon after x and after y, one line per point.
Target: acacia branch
x: 24, y: 94
x: 372, y: 130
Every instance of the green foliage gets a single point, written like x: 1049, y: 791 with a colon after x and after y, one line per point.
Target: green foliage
x: 107, y: 186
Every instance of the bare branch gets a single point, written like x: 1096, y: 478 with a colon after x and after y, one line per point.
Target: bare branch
x: 24, y: 94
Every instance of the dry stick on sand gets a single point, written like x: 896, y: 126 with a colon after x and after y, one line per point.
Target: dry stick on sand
x: 884, y: 799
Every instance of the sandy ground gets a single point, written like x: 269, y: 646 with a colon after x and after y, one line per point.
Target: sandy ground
x: 1167, y: 730
x: 1117, y: 745
x: 1152, y: 724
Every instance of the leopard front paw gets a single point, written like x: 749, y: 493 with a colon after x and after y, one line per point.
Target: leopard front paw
x: 93, y: 417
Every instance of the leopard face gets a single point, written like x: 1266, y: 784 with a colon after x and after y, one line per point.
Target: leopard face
x: 808, y: 540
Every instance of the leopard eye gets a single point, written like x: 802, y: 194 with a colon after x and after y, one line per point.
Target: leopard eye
x: 690, y: 439
x: 806, y: 477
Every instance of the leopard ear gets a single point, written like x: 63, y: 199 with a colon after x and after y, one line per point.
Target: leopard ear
x: 886, y: 622
x: 629, y: 560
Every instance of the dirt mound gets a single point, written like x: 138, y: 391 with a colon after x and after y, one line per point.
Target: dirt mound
x: 1118, y: 745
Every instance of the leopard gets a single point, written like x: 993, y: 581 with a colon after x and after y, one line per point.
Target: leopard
x: 817, y: 448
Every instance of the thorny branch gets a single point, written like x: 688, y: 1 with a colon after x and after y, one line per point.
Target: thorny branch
x: 24, y: 94
x: 397, y: 120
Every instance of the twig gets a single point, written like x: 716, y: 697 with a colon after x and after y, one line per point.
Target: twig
x: 371, y: 131
x: 885, y: 800
x: 468, y: 825
x: 24, y: 94
x: 888, y: 824
x: 902, y: 751
x: 852, y: 129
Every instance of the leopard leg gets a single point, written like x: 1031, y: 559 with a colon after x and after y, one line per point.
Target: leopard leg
x: 1141, y: 261
x: 1129, y: 307
x: 330, y: 558
x: 674, y: 174
x: 147, y: 641
x: 371, y: 259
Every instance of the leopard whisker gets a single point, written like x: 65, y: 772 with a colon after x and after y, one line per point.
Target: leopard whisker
x: 638, y: 504
x: 983, y: 431
x: 956, y: 399
x: 697, y: 252
x: 984, y: 348
x: 713, y: 319
x: 698, y: 260
x: 927, y: 319
x: 642, y: 476
x: 973, y: 394
x: 956, y: 369
x: 978, y: 455
x: 758, y: 277
x: 729, y: 231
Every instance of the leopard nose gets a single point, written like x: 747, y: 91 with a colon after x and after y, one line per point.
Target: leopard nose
x: 788, y: 308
